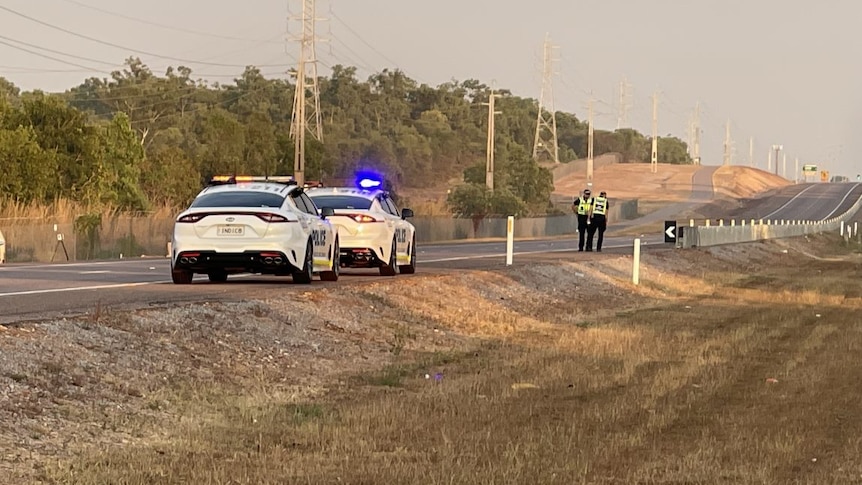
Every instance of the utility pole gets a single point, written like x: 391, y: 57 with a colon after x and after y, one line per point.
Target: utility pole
x: 769, y: 161
x: 777, y: 149
x: 624, y: 105
x: 751, y: 151
x: 727, y: 154
x: 784, y: 166
x: 654, y: 155
x: 590, y: 146
x: 546, y: 129
x: 697, y: 133
x: 305, y: 118
x: 796, y: 172
x: 489, y: 163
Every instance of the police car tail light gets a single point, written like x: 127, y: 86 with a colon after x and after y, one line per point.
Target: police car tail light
x: 191, y: 218
x: 267, y: 217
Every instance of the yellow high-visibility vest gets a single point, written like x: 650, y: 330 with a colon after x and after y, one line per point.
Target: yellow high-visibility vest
x: 584, y: 206
x: 600, y: 206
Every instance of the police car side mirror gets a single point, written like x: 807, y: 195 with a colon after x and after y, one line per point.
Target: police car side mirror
x: 405, y: 213
x: 326, y: 212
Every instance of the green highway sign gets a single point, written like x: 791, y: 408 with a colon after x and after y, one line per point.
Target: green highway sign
x: 809, y: 168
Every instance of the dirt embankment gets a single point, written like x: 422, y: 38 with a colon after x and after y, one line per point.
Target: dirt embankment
x: 553, y: 371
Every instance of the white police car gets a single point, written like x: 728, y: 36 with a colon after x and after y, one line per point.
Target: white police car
x: 262, y: 225
x: 372, y: 231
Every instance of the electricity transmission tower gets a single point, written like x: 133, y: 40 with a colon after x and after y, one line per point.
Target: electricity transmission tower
x: 624, y: 104
x: 546, y: 121
x: 306, y: 117
x: 654, y: 155
x: 489, y: 163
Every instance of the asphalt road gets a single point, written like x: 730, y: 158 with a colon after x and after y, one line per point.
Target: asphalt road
x: 815, y: 201
x: 33, y: 291
x: 30, y: 291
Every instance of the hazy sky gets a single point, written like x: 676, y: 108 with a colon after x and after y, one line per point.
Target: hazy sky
x: 783, y: 71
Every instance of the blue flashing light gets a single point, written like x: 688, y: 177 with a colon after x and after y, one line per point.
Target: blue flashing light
x: 369, y: 180
x: 368, y: 183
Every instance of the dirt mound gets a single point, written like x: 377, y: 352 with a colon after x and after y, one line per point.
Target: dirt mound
x: 745, y: 182
x: 633, y: 181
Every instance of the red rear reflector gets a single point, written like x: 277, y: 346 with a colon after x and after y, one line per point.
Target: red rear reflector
x: 270, y: 255
x: 190, y: 255
x: 191, y: 218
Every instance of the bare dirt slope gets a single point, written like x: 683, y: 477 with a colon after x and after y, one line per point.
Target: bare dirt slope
x: 745, y: 182
x: 671, y: 183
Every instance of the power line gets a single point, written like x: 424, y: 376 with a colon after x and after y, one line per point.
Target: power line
x: 165, y: 26
x: 88, y: 69
x: 336, y: 17
x: 46, y: 49
x: 118, y: 46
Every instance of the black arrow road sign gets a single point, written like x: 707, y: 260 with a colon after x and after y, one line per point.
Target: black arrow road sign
x: 669, y: 231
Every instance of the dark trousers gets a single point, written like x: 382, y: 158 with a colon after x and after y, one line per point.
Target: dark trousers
x: 582, y: 229
x: 599, y: 224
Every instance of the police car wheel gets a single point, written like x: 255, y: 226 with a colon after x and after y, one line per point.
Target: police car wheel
x: 307, y: 272
x: 388, y: 269
x: 333, y: 274
x: 410, y: 268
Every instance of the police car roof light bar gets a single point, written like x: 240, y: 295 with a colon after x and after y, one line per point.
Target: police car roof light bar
x: 235, y: 179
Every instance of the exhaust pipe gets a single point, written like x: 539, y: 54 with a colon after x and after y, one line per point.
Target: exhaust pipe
x: 193, y: 260
x: 267, y: 260
x: 278, y: 260
x: 184, y: 260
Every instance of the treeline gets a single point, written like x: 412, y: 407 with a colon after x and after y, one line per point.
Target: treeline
x: 138, y: 138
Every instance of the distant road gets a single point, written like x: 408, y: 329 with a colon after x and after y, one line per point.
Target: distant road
x: 39, y: 290
x: 31, y: 291
x: 702, y: 192
x: 811, y: 201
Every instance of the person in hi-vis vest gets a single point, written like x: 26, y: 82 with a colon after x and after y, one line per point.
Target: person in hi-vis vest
x: 582, y: 206
x: 598, y: 220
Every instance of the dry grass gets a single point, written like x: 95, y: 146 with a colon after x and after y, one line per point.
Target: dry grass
x: 31, y: 231
x: 724, y: 367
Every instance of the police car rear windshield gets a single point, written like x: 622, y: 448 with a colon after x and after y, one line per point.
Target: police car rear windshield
x: 239, y: 199
x: 342, y: 202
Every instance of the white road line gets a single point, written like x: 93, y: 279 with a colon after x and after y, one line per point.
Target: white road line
x: 82, y: 288
x: 767, y: 216
x: 842, y: 201
x: 73, y: 265
x: 95, y: 272
x: 149, y: 283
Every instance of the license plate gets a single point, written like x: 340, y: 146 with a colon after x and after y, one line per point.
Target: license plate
x: 231, y: 230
